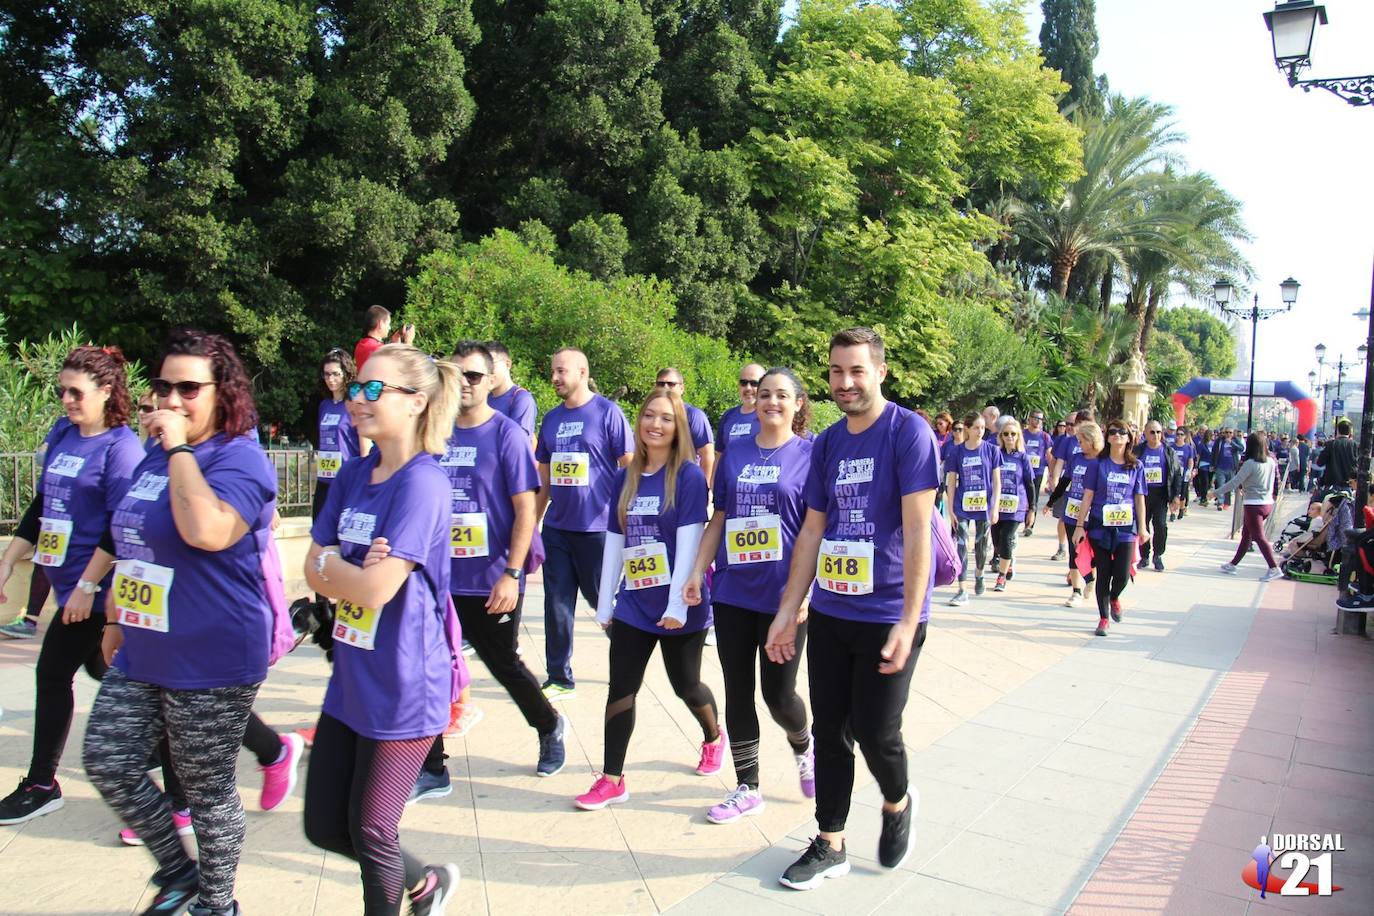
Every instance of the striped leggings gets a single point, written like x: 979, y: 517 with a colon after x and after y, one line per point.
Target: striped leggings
x: 204, y: 729
x: 355, y: 791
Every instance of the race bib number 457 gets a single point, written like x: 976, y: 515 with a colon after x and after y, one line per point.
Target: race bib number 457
x: 570, y: 469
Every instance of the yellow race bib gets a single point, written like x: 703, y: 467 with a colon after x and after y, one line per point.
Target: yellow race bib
x: 356, y: 625
x: 570, y: 469
x: 845, y: 567
x: 975, y: 500
x: 140, y: 595
x: 53, y: 536
x: 1071, y: 508
x: 753, y: 539
x: 327, y: 465
x: 646, y: 566
x: 468, y: 535
x: 1116, y: 515
x: 1008, y: 502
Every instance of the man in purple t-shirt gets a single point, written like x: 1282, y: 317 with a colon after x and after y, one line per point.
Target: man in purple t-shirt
x: 582, y: 443
x: 508, y: 397
x: 866, y: 543
x: 741, y: 421
x: 703, y: 439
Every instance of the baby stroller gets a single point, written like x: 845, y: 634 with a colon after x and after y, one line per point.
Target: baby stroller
x: 1305, y: 554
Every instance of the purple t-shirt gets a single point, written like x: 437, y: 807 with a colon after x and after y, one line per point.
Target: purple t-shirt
x: 1067, y: 447
x: 517, y: 404
x: 401, y: 687
x: 759, y: 484
x: 582, y: 447
x: 1076, y: 467
x: 973, y: 493
x: 736, y: 426
x: 699, y: 425
x: 338, y: 439
x: 82, y: 479
x: 486, y: 466
x: 858, y: 481
x: 1185, y: 454
x: 649, y: 522
x: 1114, y: 489
x: 1156, y: 467
x: 218, y: 622
x: 1018, y: 477
x: 1039, y: 449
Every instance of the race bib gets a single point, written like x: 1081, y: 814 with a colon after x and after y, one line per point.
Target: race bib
x: 467, y: 535
x: 140, y: 595
x: 1008, y: 502
x: 356, y: 625
x: 1034, y: 460
x: 53, y: 536
x: 1116, y: 515
x: 327, y: 465
x: 570, y: 469
x: 845, y: 567
x: 754, y: 539
x: 1071, y: 508
x: 975, y: 500
x: 1154, y: 474
x: 646, y: 566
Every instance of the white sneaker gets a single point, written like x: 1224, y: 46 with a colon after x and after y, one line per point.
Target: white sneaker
x: 960, y: 598
x: 1075, y: 598
x: 1229, y: 568
x: 1271, y: 574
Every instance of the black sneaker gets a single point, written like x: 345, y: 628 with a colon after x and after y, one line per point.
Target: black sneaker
x: 29, y: 801
x: 1159, y: 564
x: 819, y: 862
x: 430, y: 785
x: 433, y: 900
x: 231, y: 910
x: 894, y: 843
x: 978, y: 588
x: 178, y: 890
x: 552, y: 752
x: 1355, y: 602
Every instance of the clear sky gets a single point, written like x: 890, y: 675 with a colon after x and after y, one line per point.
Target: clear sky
x: 1302, y: 163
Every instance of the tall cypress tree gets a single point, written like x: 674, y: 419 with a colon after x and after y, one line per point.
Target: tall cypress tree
x: 1068, y: 41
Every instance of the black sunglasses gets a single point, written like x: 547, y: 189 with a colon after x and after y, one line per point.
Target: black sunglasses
x: 146, y: 408
x: 76, y: 393
x: 187, y: 391
x: 666, y: 383
x: 750, y: 382
x: 473, y: 376
x: 1009, y: 435
x: 373, y: 390
x: 1118, y: 432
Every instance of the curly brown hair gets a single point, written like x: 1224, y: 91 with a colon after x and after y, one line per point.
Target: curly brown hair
x: 235, y: 412
x: 106, y: 365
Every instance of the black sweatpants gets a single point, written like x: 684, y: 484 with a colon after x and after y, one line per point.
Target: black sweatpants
x: 1113, y: 568
x: 1157, y: 511
x: 741, y: 635
x: 67, y: 648
x: 631, y: 649
x: 851, y: 700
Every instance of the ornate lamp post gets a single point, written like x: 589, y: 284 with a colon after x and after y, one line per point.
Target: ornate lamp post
x: 1292, y: 26
x: 1222, y: 292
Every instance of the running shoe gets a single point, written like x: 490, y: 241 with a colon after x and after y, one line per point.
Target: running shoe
x: 231, y: 910
x: 712, y: 755
x: 430, y: 785
x: 437, y: 892
x: 552, y: 752
x: 30, y: 801
x: 1027, y: 532
x: 1116, y: 610
x: 1271, y: 574
x: 1011, y: 570
x: 806, y: 770
x: 960, y: 597
x: 894, y: 843
x: 1101, y: 626
x: 1000, y: 585
x: 1172, y: 517
x: 181, y: 820
x: 978, y: 587
x: 1059, y: 554
x: 741, y: 803
x: 1220, y: 507
x: 556, y: 693
x: 1355, y: 602
x: 1229, y: 568
x: 462, y: 718
x: 20, y: 628
x: 820, y: 861
x: 1159, y: 564
x: 602, y: 793
x: 307, y: 735
x: 279, y: 779
x: 178, y: 889
x: 1074, y: 598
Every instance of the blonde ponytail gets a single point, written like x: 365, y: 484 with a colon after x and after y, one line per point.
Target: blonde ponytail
x: 439, y: 380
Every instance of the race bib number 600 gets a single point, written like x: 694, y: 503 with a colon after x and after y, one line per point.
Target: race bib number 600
x: 845, y: 567
x: 753, y: 539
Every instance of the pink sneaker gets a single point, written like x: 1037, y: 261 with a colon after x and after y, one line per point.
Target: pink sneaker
x: 806, y: 770
x: 743, y: 802
x: 307, y: 735
x: 182, y: 822
x: 279, y: 779
x: 462, y: 718
x: 602, y: 793
x: 712, y: 755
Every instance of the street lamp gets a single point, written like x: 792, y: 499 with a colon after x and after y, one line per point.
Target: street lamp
x: 1292, y: 26
x: 1222, y: 292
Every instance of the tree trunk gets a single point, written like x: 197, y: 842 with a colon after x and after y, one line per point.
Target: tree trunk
x: 1147, y: 320
x: 1061, y: 268
x: 1108, y: 281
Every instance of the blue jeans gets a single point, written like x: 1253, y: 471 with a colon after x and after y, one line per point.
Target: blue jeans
x: 572, y: 563
x: 1223, y: 477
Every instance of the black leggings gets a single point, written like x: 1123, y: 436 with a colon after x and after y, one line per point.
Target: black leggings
x: 1113, y: 569
x: 39, y: 589
x: 67, y: 648
x: 631, y: 649
x: 355, y: 791
x: 740, y: 637
x: 1004, y: 535
x: 1202, y: 483
x: 851, y: 699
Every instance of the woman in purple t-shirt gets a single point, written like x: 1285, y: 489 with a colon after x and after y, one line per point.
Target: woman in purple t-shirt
x: 1015, y: 500
x: 973, y: 478
x: 381, y: 549
x: 654, y: 530
x: 1112, y: 516
x: 760, y: 497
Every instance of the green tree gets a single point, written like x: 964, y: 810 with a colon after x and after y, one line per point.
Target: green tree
x: 1068, y: 39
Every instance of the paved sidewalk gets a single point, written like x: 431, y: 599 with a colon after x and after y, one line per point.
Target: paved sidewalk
x: 1034, y: 746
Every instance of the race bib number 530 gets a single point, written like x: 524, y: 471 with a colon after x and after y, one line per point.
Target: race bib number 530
x: 140, y: 595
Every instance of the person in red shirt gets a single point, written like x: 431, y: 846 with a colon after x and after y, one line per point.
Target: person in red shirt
x: 378, y: 328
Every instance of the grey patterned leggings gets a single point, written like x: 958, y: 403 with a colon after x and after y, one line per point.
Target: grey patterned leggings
x: 204, y: 729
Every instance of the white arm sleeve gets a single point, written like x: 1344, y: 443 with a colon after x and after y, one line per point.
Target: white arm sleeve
x: 610, y: 576
x: 688, y: 540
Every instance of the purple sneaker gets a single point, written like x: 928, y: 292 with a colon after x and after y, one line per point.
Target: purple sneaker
x: 743, y: 802
x: 806, y: 770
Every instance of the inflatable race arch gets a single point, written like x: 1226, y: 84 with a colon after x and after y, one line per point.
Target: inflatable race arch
x: 1295, y: 394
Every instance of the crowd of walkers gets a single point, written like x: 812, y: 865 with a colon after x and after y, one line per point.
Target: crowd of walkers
x: 438, y: 493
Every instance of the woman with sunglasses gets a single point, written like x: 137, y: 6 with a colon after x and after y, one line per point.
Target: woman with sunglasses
x: 654, y: 531
x: 381, y: 549
x: 945, y: 449
x: 1088, y: 445
x: 90, y: 454
x: 1113, y: 516
x: 973, y: 478
x: 1015, y: 501
x: 194, y: 625
x: 760, y: 503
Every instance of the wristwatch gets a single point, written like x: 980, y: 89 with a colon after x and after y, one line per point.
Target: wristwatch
x: 514, y: 573
x: 87, y: 588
